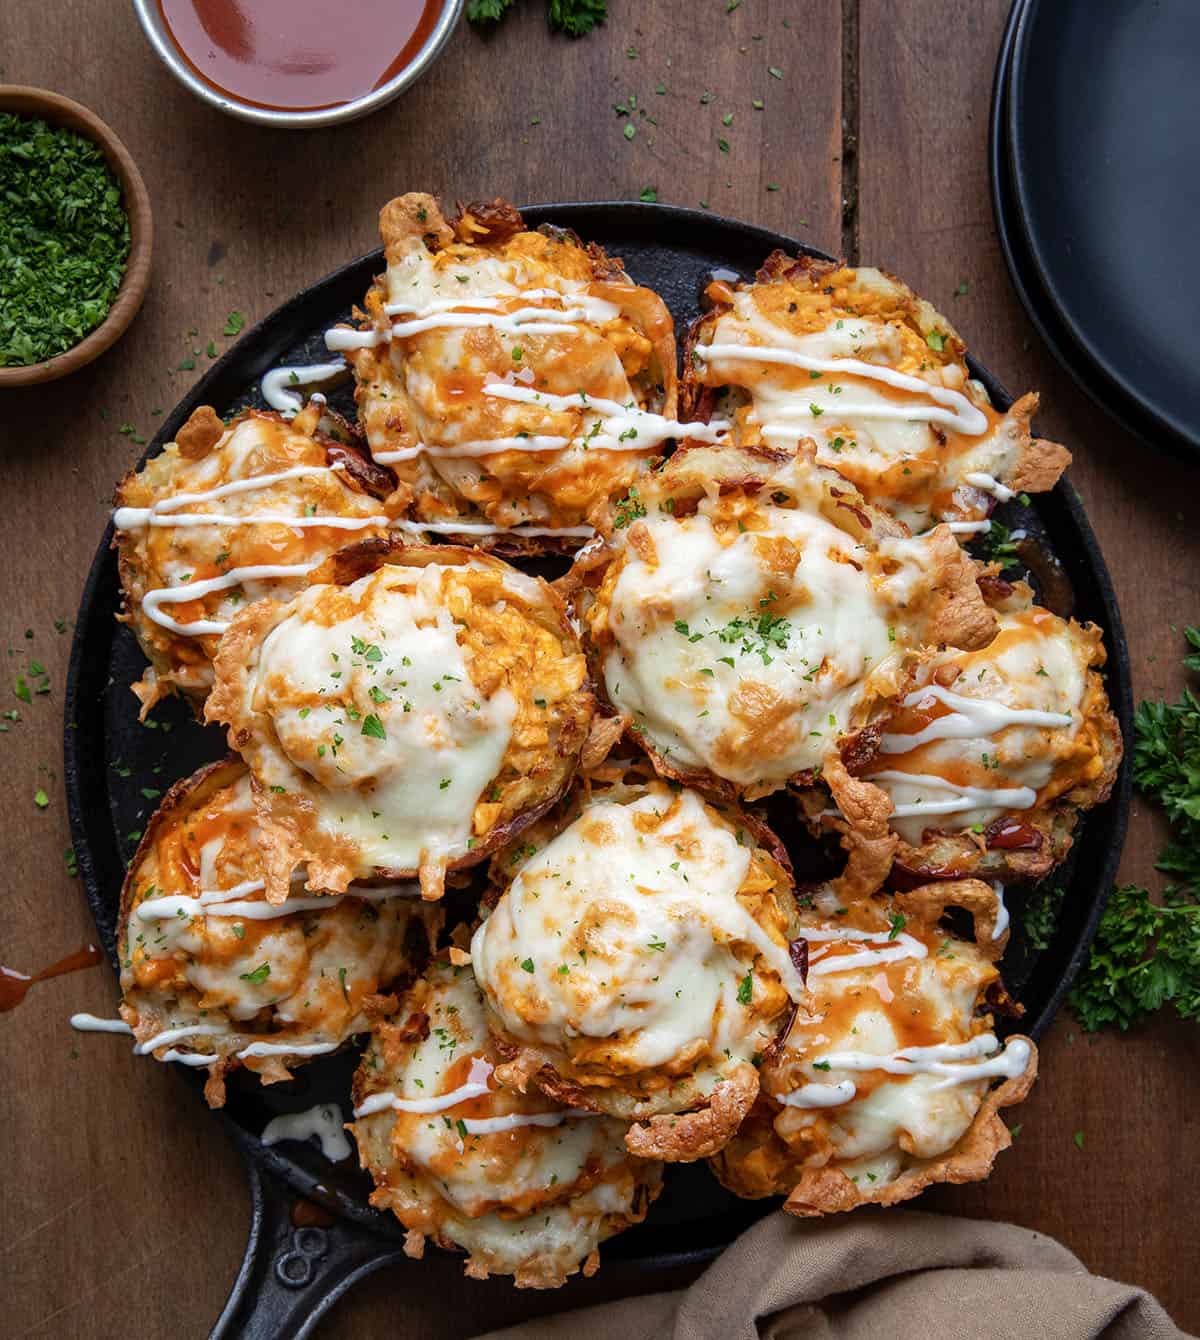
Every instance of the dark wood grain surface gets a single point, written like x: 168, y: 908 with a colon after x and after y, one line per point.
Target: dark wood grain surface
x: 123, y: 1204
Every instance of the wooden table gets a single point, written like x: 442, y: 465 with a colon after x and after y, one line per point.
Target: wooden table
x: 120, y: 1193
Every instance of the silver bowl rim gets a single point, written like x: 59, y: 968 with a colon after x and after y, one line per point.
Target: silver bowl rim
x: 150, y: 17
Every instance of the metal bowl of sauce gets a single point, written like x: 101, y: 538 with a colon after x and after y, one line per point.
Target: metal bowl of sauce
x: 279, y: 63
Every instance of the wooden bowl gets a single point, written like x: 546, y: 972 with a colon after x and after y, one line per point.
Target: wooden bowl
x: 60, y: 111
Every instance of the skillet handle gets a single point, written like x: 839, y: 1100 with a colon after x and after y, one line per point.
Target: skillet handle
x: 290, y: 1276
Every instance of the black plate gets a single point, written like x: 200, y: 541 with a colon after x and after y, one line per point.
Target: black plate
x: 110, y: 758
x: 1025, y: 280
x: 1104, y: 138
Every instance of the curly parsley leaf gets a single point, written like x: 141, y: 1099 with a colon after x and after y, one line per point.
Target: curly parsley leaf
x: 576, y: 18
x: 1147, y: 955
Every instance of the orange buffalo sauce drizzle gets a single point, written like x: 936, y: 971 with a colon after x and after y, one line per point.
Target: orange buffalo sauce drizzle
x: 290, y: 56
x: 14, y: 985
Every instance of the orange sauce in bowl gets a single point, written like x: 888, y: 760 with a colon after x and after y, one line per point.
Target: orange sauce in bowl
x: 298, y: 55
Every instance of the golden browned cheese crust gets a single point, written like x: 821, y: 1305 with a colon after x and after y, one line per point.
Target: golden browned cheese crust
x: 342, y: 726
x: 421, y: 394
x: 894, y: 442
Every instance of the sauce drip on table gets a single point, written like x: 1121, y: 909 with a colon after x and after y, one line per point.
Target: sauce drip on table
x: 286, y: 56
x: 14, y: 986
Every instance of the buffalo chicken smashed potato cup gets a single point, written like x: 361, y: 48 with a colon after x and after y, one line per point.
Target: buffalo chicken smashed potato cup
x: 984, y: 762
x: 523, y: 1185
x: 882, y: 1084
x: 227, y: 515
x: 214, y: 976
x: 637, y: 963
x: 411, y: 710
x: 770, y: 590
x: 854, y: 359
x: 749, y: 609
x: 512, y: 380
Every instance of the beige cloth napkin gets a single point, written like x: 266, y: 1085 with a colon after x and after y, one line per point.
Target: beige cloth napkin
x: 878, y: 1275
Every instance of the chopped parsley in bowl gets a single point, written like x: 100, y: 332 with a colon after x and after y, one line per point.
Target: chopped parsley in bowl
x: 75, y: 236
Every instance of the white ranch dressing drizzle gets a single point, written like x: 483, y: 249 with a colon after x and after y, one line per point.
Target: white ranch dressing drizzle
x: 522, y: 321
x: 978, y: 479
x: 491, y: 1125
x: 288, y: 1049
x: 955, y: 411
x: 172, y: 1035
x: 963, y: 797
x: 475, y: 1087
x: 1002, y: 917
x: 895, y: 947
x: 969, y: 527
x: 324, y: 1121
x: 971, y: 718
x: 618, y: 419
x: 958, y: 1061
x: 174, y: 905
x: 275, y: 383
x: 126, y: 518
x: 482, y: 528
x: 820, y: 1095
x: 91, y: 1023
x: 172, y: 595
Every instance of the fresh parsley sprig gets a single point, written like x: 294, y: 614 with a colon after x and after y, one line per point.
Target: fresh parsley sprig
x: 576, y: 18
x: 1147, y: 955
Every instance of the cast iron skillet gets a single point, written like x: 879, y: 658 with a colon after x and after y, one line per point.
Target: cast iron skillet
x: 291, y: 1275
x: 1103, y: 124
x: 1057, y: 337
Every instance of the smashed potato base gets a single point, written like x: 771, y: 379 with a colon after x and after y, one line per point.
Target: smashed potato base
x: 327, y: 972
x: 206, y: 454
x: 409, y: 390
x: 535, y: 1201
x: 517, y: 637
x: 689, y: 1108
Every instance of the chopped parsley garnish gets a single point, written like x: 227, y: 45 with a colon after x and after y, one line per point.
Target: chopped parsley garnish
x: 257, y: 976
x: 373, y: 727
x: 628, y: 510
x: 527, y: 965
x: 757, y: 635
x: 234, y: 323
x: 745, y: 991
x: 897, y: 923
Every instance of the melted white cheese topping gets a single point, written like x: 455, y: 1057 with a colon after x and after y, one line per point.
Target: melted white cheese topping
x: 403, y: 744
x: 624, y: 930
x: 688, y: 670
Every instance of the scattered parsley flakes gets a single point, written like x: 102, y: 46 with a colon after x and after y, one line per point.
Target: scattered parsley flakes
x: 234, y: 323
x: 936, y: 341
x: 649, y: 196
x: 373, y: 727
x: 41, y: 799
x: 257, y: 976
x: 527, y: 965
x: 745, y: 991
